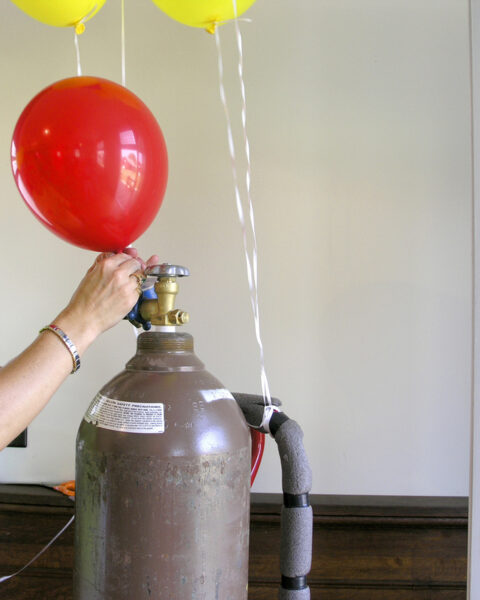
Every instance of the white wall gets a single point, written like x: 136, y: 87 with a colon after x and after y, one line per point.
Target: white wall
x: 359, y: 123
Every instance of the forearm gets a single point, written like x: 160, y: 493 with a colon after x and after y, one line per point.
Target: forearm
x: 107, y: 292
x: 28, y: 382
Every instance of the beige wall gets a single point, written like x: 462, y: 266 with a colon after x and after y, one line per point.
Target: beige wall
x: 359, y: 121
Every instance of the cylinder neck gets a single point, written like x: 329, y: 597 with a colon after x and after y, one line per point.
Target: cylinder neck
x: 163, y: 341
x: 164, y: 352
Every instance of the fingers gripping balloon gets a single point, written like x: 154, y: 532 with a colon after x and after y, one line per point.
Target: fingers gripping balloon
x: 90, y: 161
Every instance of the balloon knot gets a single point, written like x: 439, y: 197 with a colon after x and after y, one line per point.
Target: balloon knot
x: 79, y: 28
x: 211, y: 28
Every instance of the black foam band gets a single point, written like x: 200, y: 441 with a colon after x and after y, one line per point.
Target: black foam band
x: 294, y: 583
x: 296, y: 500
x: 276, y: 421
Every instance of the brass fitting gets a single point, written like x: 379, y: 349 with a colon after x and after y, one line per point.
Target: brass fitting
x: 178, y: 317
x: 162, y: 311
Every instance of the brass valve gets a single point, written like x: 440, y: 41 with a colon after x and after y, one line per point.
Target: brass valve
x: 161, y: 310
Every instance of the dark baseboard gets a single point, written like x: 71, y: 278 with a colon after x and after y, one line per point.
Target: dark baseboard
x: 364, y: 547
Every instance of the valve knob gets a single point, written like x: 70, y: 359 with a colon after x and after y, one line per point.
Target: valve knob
x: 167, y: 270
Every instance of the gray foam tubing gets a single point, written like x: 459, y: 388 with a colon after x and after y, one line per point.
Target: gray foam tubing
x: 247, y: 399
x: 296, y: 523
x: 252, y: 406
x: 296, y: 541
x: 294, y: 594
x: 296, y: 471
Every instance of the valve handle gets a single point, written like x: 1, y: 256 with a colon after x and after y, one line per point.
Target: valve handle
x: 167, y: 270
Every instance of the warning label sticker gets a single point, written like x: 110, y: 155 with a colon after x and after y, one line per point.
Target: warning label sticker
x: 131, y: 417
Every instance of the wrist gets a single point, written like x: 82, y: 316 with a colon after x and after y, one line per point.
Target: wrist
x: 77, y: 327
x: 70, y: 346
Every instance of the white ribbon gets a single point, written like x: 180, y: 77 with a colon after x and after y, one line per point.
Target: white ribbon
x: 77, y: 50
x: 6, y: 577
x: 268, y: 412
x: 75, y: 29
x: 251, y: 256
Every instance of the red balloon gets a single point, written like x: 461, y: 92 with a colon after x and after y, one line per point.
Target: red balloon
x: 90, y: 161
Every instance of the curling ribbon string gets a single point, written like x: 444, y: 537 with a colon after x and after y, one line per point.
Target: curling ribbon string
x: 265, y: 386
x: 251, y: 260
x: 77, y: 51
x: 6, y: 577
x: 78, y: 30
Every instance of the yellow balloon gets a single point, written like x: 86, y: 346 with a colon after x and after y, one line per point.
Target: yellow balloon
x: 203, y: 13
x: 61, y: 13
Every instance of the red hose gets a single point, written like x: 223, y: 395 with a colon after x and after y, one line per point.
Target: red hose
x: 258, y: 445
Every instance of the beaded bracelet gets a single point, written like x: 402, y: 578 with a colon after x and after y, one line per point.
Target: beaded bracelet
x: 68, y: 343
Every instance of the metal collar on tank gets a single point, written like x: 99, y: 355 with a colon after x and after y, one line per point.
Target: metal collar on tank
x: 156, y: 305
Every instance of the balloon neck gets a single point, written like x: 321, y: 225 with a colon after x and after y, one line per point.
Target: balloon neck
x: 211, y: 28
x: 79, y: 28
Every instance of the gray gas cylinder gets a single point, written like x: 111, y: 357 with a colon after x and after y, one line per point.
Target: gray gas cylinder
x: 162, y: 482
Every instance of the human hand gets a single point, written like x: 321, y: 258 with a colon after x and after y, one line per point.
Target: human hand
x: 105, y: 295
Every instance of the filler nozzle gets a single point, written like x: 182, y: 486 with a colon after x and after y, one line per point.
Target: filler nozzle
x: 156, y: 306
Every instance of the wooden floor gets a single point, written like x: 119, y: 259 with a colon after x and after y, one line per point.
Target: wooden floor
x: 365, y: 547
